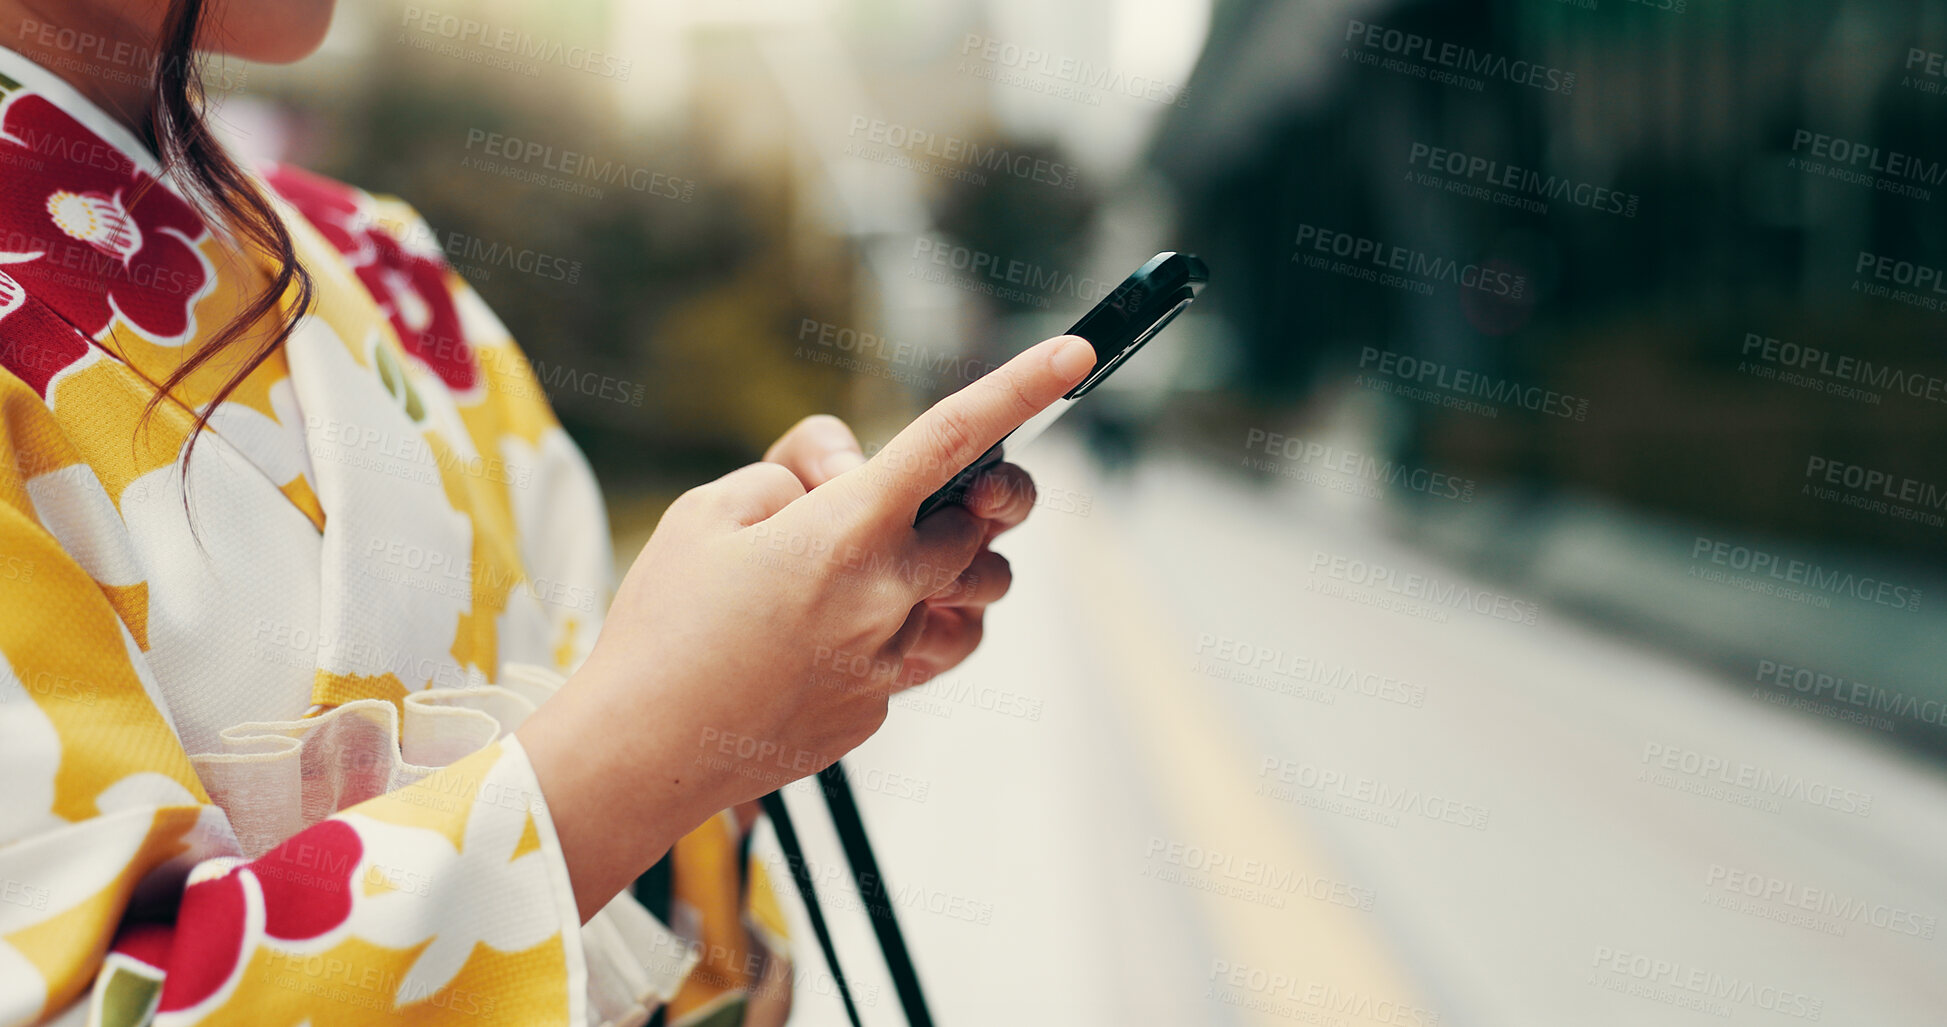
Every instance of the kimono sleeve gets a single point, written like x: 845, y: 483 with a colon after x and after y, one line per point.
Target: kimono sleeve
x: 446, y: 901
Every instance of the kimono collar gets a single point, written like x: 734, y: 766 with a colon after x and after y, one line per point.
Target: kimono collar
x: 70, y: 100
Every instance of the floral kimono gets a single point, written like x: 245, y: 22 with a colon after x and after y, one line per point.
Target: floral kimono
x: 255, y: 760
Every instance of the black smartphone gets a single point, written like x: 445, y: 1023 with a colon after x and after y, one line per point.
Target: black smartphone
x: 1117, y: 327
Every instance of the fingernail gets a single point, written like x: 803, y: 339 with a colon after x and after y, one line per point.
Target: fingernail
x: 1074, y: 358
x: 841, y: 461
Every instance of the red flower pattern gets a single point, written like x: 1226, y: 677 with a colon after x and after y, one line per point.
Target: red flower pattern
x: 86, y: 235
x: 307, y: 888
x: 104, y: 237
x: 409, y: 287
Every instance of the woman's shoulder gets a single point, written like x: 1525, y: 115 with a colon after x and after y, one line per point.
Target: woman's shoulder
x: 399, y: 260
x: 402, y: 263
x: 351, y: 217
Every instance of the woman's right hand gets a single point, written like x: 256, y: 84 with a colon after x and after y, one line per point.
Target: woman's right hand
x: 758, y: 635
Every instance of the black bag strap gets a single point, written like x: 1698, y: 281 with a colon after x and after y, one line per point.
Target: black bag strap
x: 872, y: 892
x: 787, y: 839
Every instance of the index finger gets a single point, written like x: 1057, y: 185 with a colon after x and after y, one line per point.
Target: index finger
x: 957, y: 430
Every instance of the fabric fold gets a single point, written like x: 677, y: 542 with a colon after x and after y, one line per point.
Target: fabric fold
x: 277, y: 778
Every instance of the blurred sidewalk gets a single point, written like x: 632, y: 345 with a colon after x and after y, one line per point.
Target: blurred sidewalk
x: 1202, y: 771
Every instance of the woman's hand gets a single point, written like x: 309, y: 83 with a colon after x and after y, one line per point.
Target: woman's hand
x: 762, y: 628
x: 821, y: 447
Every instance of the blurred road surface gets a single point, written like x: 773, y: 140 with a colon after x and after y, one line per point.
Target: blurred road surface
x: 1214, y: 766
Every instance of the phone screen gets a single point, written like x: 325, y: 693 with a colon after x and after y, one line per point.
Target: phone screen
x: 1117, y: 327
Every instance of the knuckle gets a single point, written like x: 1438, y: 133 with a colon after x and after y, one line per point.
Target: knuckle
x: 969, y: 537
x: 844, y: 511
x: 1024, y: 405
x: 774, y: 475
x: 952, y: 432
x: 852, y: 516
x: 1005, y: 490
x: 964, y: 546
x: 809, y: 436
x: 698, y: 497
x: 1001, y: 571
x: 956, y: 533
x: 823, y: 424
x: 1024, y: 490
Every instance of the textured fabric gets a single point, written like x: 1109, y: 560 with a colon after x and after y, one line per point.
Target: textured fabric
x: 254, y: 713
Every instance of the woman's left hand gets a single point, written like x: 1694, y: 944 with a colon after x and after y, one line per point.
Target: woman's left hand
x: 821, y: 447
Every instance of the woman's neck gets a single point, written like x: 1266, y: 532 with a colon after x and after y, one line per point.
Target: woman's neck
x: 99, y: 48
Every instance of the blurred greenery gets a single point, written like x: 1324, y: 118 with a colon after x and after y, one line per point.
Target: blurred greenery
x: 696, y: 299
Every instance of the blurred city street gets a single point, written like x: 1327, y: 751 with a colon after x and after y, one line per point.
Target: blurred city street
x: 1511, y: 594
x: 1199, y: 773
x: 1642, y: 726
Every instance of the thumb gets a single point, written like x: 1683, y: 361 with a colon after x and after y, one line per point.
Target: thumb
x: 817, y: 449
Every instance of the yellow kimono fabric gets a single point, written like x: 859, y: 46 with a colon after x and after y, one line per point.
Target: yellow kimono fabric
x: 255, y: 709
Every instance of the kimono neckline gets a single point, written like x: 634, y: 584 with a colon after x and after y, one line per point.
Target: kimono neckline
x: 36, y: 78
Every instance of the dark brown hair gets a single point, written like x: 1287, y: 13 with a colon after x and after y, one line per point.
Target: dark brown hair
x: 221, y: 191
